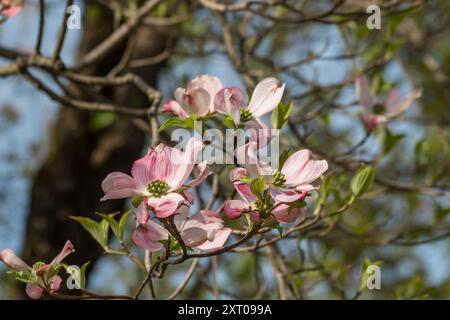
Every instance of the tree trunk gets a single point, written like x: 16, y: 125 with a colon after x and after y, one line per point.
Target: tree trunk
x: 69, y: 181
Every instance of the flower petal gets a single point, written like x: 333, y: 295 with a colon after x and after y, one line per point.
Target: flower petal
x: 210, y: 84
x: 204, y: 172
x: 185, y: 162
x: 304, y: 188
x: 54, y: 284
x: 234, y: 208
x: 157, y: 164
x: 299, y: 169
x: 196, y: 100
x: 193, y: 236
x: 244, y: 190
x: 189, y: 196
x: 14, y: 262
x: 174, y: 107
x: 10, y: 10
x: 142, y: 215
x: 166, y: 205
x: 266, y: 96
x: 34, y: 291
x: 392, y: 98
x: 284, y: 195
x: 229, y: 101
x: 147, y: 236
x: 118, y: 185
x: 285, y: 214
x: 362, y: 89
x: 260, y: 132
x: 237, y: 173
x: 66, y: 250
x: 295, y: 164
x: 220, y: 238
x: 247, y: 155
x: 398, y: 108
x: 208, y: 220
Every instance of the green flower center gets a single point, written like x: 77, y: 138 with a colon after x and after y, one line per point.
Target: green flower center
x: 246, y: 115
x: 38, y: 265
x: 158, y: 188
x: 278, y: 178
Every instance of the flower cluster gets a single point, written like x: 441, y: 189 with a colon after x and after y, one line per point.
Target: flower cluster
x: 41, y: 277
x: 160, y: 180
x: 282, y: 193
x: 205, y: 96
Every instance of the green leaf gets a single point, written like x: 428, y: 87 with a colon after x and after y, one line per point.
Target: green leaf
x: 178, y: 122
x: 83, y: 274
x: 24, y: 277
x: 247, y: 180
x: 362, y: 181
x: 388, y: 140
x: 281, y: 115
x: 257, y: 187
x: 98, y: 230
x: 322, y: 195
x: 123, y: 223
x: 112, y: 222
x: 104, y: 228
x: 172, y: 122
x: 228, y: 121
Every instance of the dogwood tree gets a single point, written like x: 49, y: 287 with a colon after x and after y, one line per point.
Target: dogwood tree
x: 300, y: 154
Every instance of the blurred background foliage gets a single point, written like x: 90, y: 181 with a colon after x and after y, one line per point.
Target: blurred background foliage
x: 402, y: 223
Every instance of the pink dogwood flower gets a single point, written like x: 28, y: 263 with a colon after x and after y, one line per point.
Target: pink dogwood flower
x: 374, y: 111
x: 10, y: 8
x: 197, y: 98
x: 293, y: 181
x: 250, y: 204
x: 265, y: 98
x: 41, y: 277
x: 160, y: 177
x: 235, y: 208
x: 204, y: 231
x: 286, y: 186
x: 174, y: 107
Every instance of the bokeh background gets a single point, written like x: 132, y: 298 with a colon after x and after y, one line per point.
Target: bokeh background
x: 412, y: 50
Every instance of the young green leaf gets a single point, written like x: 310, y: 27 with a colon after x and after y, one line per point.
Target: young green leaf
x: 388, y: 140
x: 123, y: 223
x: 24, y: 277
x: 112, y: 222
x: 172, y: 122
x: 257, y: 187
x: 362, y: 181
x: 281, y: 115
x: 228, y: 121
x: 322, y: 195
x: 83, y: 274
x: 99, y: 231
